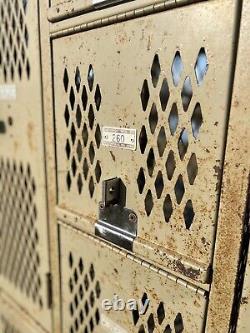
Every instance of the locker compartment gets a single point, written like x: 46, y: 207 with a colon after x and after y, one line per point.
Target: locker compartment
x: 92, y: 271
x: 13, y: 320
x: 145, y: 75
x: 24, y: 258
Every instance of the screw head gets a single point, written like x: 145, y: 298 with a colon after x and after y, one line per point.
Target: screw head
x: 101, y: 205
x: 132, y: 217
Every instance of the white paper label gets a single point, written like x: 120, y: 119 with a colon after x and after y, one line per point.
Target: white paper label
x: 119, y: 137
x: 7, y: 92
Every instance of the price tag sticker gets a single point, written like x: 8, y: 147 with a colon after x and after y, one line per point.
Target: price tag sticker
x: 119, y: 137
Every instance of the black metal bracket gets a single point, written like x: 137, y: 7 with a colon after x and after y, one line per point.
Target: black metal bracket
x: 116, y: 223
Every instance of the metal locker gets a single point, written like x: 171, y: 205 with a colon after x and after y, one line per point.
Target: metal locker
x: 176, y: 99
x: 24, y: 257
x: 100, y: 271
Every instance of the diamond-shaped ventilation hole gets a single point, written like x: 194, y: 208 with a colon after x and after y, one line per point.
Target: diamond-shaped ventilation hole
x: 91, y: 153
x: 160, y: 313
x: 73, y: 166
x: 80, y: 265
x: 91, y: 77
x: 149, y: 203
x: 85, y: 168
x: 159, y: 184
x: 73, y: 133
x: 177, y: 68
x: 98, y: 136
x: 91, y: 116
x: 79, y: 150
x: 151, y: 323
x: 196, y: 120
x: 98, y: 171
x: 188, y: 214
x: 85, y: 134
x: 98, y: 97
x: 141, y: 180
x: 153, y: 118
x: 155, y: 70
x: 183, y: 143
x: 164, y: 94
x: 143, y: 301
x: 68, y: 149
x: 167, y: 329
x: 78, y: 116
x: 71, y: 260
x: 161, y: 141
x: 68, y: 180
x: 135, y: 314
x: 84, y: 98
x: 167, y: 208
x: 170, y: 165
x: 186, y: 93
x: 77, y: 79
x: 91, y: 186
x: 151, y: 162
x: 173, y: 119
x: 201, y: 66
x: 179, y: 189
x: 66, y: 115
x: 72, y: 98
x: 143, y: 139
x: 192, y: 169
x: 66, y: 80
x: 141, y: 329
x: 144, y: 95
x: 178, y: 324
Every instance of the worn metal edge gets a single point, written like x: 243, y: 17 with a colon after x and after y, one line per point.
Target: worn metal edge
x: 112, y: 15
x: 167, y: 259
x: 192, y: 287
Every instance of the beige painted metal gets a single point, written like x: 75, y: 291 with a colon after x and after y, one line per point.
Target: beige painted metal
x: 121, y: 57
x: 62, y: 10
x: 24, y: 260
x: 234, y: 194
x: 14, y: 320
x: 99, y: 272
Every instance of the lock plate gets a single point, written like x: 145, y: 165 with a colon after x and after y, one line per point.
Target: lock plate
x: 116, y: 223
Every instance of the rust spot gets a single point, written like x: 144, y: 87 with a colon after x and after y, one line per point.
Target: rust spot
x: 30, y: 135
x: 189, y: 272
x: 244, y: 300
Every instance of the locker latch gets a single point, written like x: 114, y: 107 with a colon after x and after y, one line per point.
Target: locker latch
x: 116, y: 223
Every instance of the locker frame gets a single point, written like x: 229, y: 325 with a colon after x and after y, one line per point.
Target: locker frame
x: 219, y: 322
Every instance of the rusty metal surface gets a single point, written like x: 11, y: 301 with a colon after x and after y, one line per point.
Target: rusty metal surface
x: 24, y: 257
x: 68, y: 9
x: 190, y: 194
x: 99, y: 273
x: 234, y: 194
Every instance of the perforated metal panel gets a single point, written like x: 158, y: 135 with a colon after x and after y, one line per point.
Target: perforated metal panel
x: 24, y: 262
x: 97, y: 272
x: 14, y: 320
x: 143, y: 74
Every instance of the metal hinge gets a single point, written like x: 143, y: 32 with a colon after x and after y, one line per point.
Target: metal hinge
x: 152, y: 267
